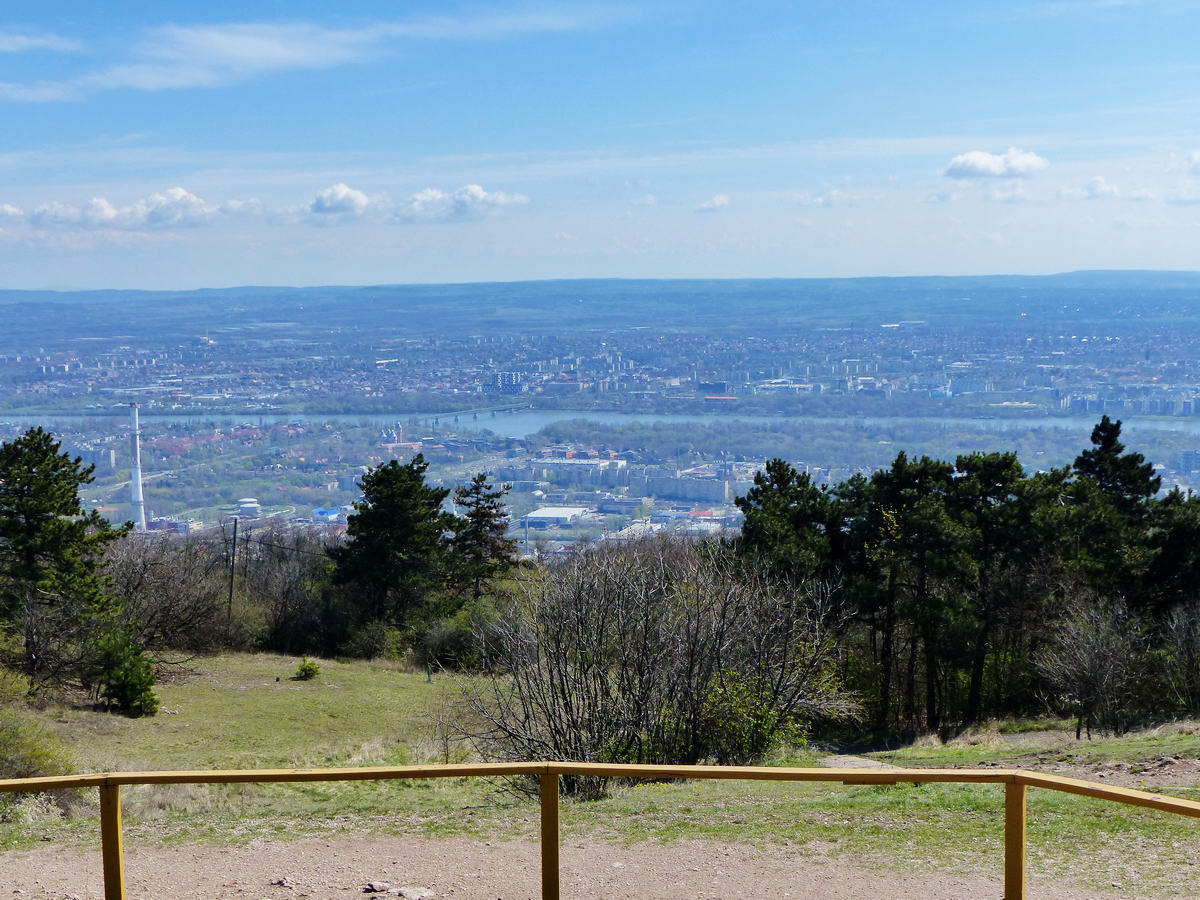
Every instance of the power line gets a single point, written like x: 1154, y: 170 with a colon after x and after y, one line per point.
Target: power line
x: 250, y: 540
x: 246, y: 539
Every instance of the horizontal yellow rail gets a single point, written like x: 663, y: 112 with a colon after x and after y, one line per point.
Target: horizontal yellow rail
x: 1016, y: 781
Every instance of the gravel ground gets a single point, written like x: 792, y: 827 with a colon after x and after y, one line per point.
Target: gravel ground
x: 497, y: 870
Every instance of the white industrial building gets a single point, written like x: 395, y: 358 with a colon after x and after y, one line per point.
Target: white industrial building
x: 546, y: 516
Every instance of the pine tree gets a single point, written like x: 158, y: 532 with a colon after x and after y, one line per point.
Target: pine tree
x: 789, y: 520
x: 397, y: 548
x: 1125, y: 478
x: 917, y: 547
x: 52, y: 588
x: 1111, y: 504
x: 480, y: 540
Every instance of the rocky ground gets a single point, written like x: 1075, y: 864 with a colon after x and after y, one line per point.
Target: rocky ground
x: 1163, y: 772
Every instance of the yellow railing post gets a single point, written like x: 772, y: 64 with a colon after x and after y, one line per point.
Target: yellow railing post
x: 110, y: 842
x: 1015, y: 816
x: 550, y: 837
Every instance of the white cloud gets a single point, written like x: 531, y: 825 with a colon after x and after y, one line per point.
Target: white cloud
x: 714, y: 204
x: 251, y: 207
x: 38, y: 91
x: 1073, y: 7
x: 468, y: 202
x: 826, y: 197
x: 339, y: 200
x: 24, y: 42
x: 1141, y: 194
x: 1008, y: 194
x: 1013, y: 163
x: 176, y: 56
x: 1096, y: 188
x: 178, y: 208
x: 941, y: 197
x: 1188, y: 195
x: 198, y: 56
x: 1194, y: 162
x: 646, y: 200
x: 173, y: 208
x: 544, y: 19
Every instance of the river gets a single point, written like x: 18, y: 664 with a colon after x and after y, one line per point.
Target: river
x: 522, y: 423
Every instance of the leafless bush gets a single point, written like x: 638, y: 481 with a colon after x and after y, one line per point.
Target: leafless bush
x: 1181, y: 657
x: 659, y: 652
x: 172, y: 591
x: 286, y: 571
x: 1097, y: 662
x: 51, y: 643
x: 175, y: 591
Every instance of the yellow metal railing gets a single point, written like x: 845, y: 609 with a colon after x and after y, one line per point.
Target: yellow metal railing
x: 1016, y: 782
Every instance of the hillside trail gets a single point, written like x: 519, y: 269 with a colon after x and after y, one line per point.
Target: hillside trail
x: 469, y: 869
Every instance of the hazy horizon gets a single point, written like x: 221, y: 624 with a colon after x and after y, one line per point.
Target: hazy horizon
x: 178, y: 147
x: 584, y: 278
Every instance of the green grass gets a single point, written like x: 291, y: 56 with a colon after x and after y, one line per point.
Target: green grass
x: 244, y: 711
x: 1031, y: 726
x: 233, y: 713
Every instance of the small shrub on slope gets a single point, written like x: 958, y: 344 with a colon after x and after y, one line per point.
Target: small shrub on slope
x: 307, y: 670
x: 123, y: 678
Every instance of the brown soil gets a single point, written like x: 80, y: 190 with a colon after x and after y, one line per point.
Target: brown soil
x: 1164, y: 772
x: 460, y: 868
x: 1161, y: 772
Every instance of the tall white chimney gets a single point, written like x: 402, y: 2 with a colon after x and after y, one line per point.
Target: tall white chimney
x: 136, y: 501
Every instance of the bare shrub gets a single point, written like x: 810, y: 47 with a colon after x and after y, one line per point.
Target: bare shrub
x: 172, y: 591
x: 287, y: 572
x: 56, y: 643
x: 175, y: 592
x: 658, y: 652
x: 1181, y: 657
x: 1097, y: 662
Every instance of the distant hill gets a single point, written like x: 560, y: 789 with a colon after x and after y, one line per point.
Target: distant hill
x: 736, y: 305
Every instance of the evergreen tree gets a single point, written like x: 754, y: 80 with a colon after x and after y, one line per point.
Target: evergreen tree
x: 1125, y: 478
x: 53, y: 592
x: 918, y: 549
x: 1111, y: 504
x: 958, y: 575
x: 1172, y: 578
x: 480, y: 539
x: 789, y: 520
x: 991, y: 498
x: 398, y: 541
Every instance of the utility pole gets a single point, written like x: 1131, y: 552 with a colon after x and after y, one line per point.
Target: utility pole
x: 232, y: 569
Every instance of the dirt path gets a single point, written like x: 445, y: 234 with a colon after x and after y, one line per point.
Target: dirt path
x: 842, y: 761
x: 464, y: 869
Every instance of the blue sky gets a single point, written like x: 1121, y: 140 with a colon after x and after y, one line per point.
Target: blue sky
x: 179, y: 145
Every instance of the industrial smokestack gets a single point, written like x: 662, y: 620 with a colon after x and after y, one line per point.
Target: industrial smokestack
x: 136, y: 502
